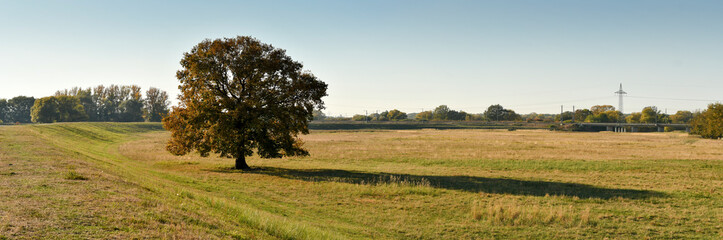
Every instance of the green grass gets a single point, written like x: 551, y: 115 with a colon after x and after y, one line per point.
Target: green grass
x: 72, y: 175
x: 421, y: 184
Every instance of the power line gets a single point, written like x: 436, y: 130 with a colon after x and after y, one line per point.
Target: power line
x: 676, y: 99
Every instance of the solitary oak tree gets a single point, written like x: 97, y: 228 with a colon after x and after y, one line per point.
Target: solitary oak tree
x: 238, y: 96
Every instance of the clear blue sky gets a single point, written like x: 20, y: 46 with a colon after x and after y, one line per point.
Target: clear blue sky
x: 531, y: 56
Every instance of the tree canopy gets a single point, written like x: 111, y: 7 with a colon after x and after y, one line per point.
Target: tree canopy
x: 239, y: 95
x: 603, y: 114
x: 155, y: 105
x: 682, y: 117
x: 498, y: 113
x: 709, y: 123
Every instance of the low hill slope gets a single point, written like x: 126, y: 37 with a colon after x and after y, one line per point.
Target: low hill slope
x: 69, y: 180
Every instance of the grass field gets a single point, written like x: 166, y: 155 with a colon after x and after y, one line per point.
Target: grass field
x: 112, y: 180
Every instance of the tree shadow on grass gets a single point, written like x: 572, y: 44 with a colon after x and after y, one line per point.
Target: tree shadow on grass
x: 463, y: 183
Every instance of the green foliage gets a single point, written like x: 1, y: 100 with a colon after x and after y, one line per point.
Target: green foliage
x: 424, y: 116
x: 4, y: 114
x: 682, y: 117
x: 566, y: 116
x: 359, y: 117
x: 72, y: 175
x: 603, y: 114
x: 443, y: 112
x: 58, y: 109
x: 113, y: 104
x: 633, y: 117
x: 156, y: 105
x: 650, y: 115
x: 45, y: 110
x: 598, y: 109
x: 396, y: 115
x: 240, y: 95
x: 498, y: 113
x: 18, y: 109
x: 131, y: 111
x: 474, y: 117
x: 581, y: 114
x: 536, y: 117
x: 440, y: 113
x: 70, y: 109
x: 384, y: 116
x: 709, y: 123
x: 85, y: 96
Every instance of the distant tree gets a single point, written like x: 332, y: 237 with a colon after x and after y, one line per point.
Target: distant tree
x: 374, y: 117
x: 682, y: 117
x: 709, y: 123
x: 424, y: 116
x: 114, y: 97
x: 318, y: 115
x: 155, y: 105
x: 45, y: 110
x: 396, y: 115
x: 4, y: 110
x: 359, y: 117
x: 85, y: 96
x: 456, y: 115
x: 441, y: 113
x: 384, y: 116
x: 62, y: 108
x: 604, y: 114
x: 240, y: 96
x: 474, y: 117
x: 566, y: 116
x: 581, y: 114
x: 598, y: 109
x: 494, y: 113
x: 100, y: 100
x: 70, y: 109
x: 531, y: 117
x: 498, y: 113
x: 633, y: 117
x: 650, y: 115
x: 19, y: 108
x: 131, y: 108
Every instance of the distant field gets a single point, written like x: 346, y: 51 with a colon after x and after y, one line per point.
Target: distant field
x: 113, y: 180
x: 411, y: 125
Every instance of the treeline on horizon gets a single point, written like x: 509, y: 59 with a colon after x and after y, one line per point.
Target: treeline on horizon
x: 115, y: 103
x: 596, y: 114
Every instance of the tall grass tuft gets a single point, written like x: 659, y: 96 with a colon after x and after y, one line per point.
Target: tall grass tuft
x: 507, y: 212
x: 72, y: 175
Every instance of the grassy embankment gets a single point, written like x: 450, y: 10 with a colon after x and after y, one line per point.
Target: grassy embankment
x: 102, y: 180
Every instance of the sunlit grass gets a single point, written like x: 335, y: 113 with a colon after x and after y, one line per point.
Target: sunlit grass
x: 428, y: 184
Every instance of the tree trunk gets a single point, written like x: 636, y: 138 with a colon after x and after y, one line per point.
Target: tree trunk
x: 241, y: 163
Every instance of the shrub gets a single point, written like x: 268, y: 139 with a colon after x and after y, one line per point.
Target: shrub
x: 72, y: 175
x: 709, y: 123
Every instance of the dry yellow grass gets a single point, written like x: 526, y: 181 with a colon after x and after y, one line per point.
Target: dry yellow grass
x: 594, y: 182
x: 426, y: 184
